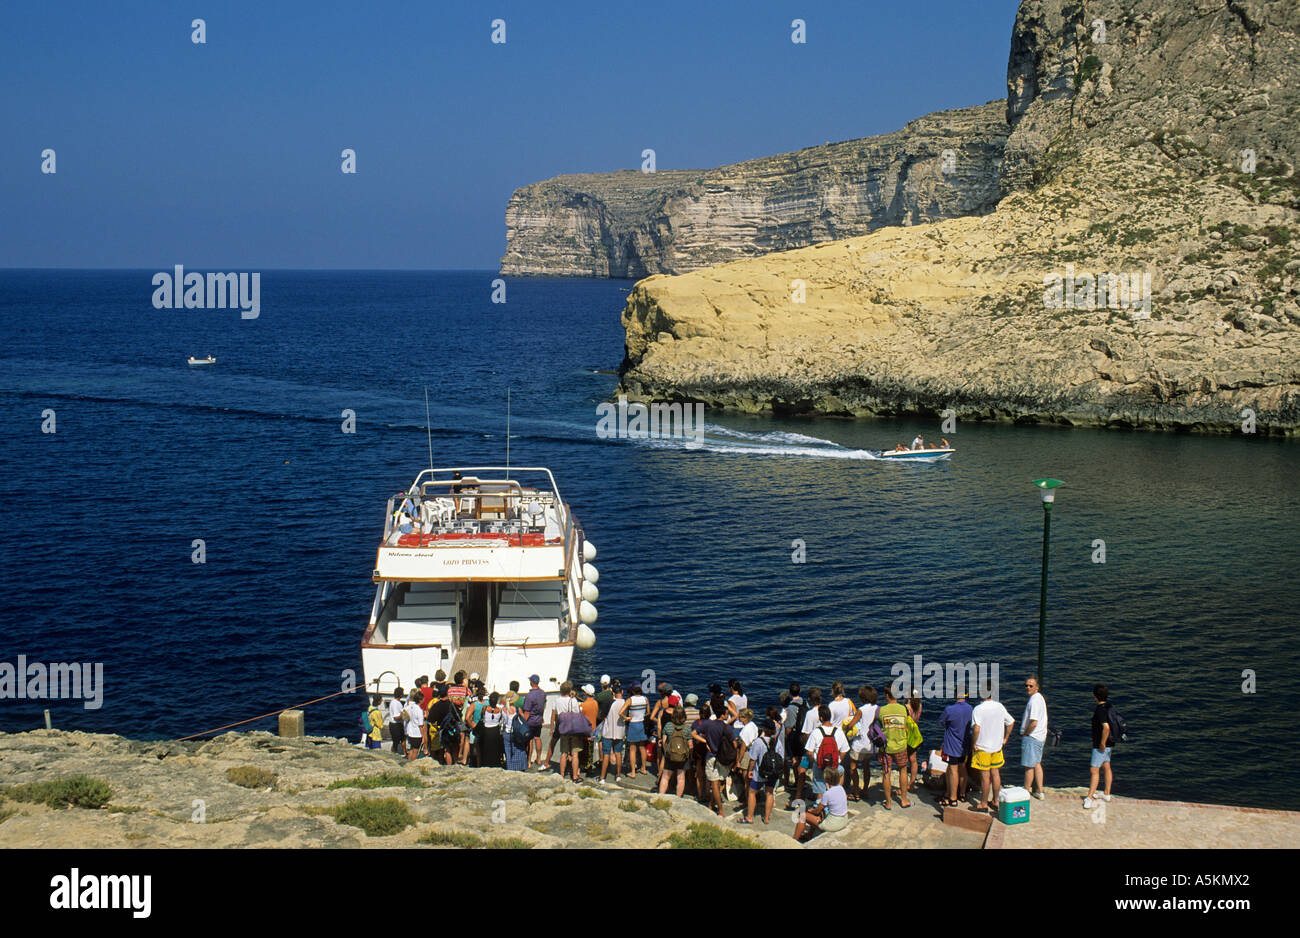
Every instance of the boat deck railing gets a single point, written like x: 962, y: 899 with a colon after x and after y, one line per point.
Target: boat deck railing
x: 444, y: 509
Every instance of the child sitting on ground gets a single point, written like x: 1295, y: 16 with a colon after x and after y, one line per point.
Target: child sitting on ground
x: 830, y: 813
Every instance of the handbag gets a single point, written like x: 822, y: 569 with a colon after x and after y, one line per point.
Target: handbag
x: 573, y: 722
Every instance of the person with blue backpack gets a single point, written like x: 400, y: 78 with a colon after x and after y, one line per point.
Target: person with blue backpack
x: 515, y: 733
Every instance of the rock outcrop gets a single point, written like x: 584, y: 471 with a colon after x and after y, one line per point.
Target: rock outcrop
x: 171, y: 794
x: 632, y: 224
x: 1167, y: 150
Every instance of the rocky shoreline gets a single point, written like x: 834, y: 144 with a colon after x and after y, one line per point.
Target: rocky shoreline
x: 196, y: 794
x: 1140, y: 271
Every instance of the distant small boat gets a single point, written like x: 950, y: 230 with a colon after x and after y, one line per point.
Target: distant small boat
x: 918, y: 455
x: 200, y: 361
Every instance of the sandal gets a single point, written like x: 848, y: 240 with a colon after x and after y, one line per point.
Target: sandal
x: 744, y: 821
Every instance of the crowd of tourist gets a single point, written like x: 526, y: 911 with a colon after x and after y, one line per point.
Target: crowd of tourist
x: 819, y: 748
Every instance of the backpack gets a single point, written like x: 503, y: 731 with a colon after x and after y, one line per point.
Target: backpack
x: 726, y: 754
x: 451, y: 728
x: 771, y: 766
x: 851, y: 732
x: 876, y: 736
x: 519, y: 733
x: 368, y: 720
x: 1118, y: 726
x: 676, y: 747
x: 828, y: 751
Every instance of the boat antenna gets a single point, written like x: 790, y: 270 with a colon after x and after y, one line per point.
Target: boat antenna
x: 507, y: 432
x: 428, y: 428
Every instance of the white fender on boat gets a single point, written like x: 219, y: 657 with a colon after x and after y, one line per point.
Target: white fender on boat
x: 586, y: 637
x: 590, y: 593
x: 587, y: 613
x: 588, y: 550
x: 590, y: 573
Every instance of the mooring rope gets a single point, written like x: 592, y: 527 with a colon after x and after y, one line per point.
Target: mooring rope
x: 271, y: 714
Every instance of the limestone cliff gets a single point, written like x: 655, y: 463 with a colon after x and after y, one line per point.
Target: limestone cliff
x: 1125, y: 157
x: 630, y: 224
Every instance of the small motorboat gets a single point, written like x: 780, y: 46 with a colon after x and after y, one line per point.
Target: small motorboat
x: 209, y: 360
x: 917, y: 455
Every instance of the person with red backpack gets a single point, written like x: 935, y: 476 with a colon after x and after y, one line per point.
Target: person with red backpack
x: 825, y: 749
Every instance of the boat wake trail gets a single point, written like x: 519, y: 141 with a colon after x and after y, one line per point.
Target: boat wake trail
x: 726, y: 441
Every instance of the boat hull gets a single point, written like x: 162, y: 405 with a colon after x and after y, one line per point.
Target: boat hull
x: 917, y: 455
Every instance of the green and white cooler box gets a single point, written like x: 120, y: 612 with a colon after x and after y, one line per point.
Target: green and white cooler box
x: 1013, y: 806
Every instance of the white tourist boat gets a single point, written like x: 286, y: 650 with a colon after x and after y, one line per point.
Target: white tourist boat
x: 209, y: 360
x: 917, y: 455
x: 481, y: 569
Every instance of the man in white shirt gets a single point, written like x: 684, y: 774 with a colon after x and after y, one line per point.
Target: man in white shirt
x: 612, y: 734
x: 826, y: 730
x: 991, y: 727
x: 1033, y: 734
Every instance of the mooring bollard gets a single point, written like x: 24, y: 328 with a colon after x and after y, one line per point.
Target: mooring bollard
x: 293, y: 723
x: 48, y: 724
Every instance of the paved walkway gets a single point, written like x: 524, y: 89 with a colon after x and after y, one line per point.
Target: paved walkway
x: 1060, y: 820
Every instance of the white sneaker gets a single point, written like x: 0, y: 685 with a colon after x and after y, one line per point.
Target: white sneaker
x: 603, y: 782
x: 1089, y: 803
x: 1103, y: 797
x: 1038, y: 795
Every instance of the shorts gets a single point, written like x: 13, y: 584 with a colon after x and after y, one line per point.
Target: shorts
x: 413, y: 742
x: 713, y: 770
x: 983, y: 761
x: 860, y: 750
x: 959, y: 760
x: 572, y: 742
x: 1100, y: 757
x: 535, y: 732
x: 1031, y: 752
x: 671, y: 766
x: 833, y: 822
x: 636, y: 732
x: 744, y: 764
x: 609, y: 746
x: 758, y: 784
x: 896, y: 760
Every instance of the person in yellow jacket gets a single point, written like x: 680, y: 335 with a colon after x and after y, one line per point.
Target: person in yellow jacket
x: 375, y: 721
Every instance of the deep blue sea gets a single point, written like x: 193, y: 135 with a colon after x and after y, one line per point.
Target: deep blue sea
x: 696, y: 575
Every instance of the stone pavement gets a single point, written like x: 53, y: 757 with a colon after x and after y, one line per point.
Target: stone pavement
x: 1060, y: 820
x: 870, y: 825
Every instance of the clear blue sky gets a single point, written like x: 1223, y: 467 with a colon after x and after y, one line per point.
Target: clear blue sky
x: 226, y: 155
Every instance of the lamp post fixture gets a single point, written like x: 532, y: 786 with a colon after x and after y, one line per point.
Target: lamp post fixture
x: 1049, y: 487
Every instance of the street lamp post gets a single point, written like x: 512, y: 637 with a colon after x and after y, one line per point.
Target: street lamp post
x: 1049, y: 487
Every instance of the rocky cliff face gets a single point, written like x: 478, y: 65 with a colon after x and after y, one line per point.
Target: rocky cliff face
x: 1164, y: 147
x: 632, y: 224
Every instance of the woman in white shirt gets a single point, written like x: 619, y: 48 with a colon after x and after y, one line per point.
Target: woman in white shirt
x: 414, y: 726
x: 491, y: 745
x: 637, y: 707
x: 860, y: 748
